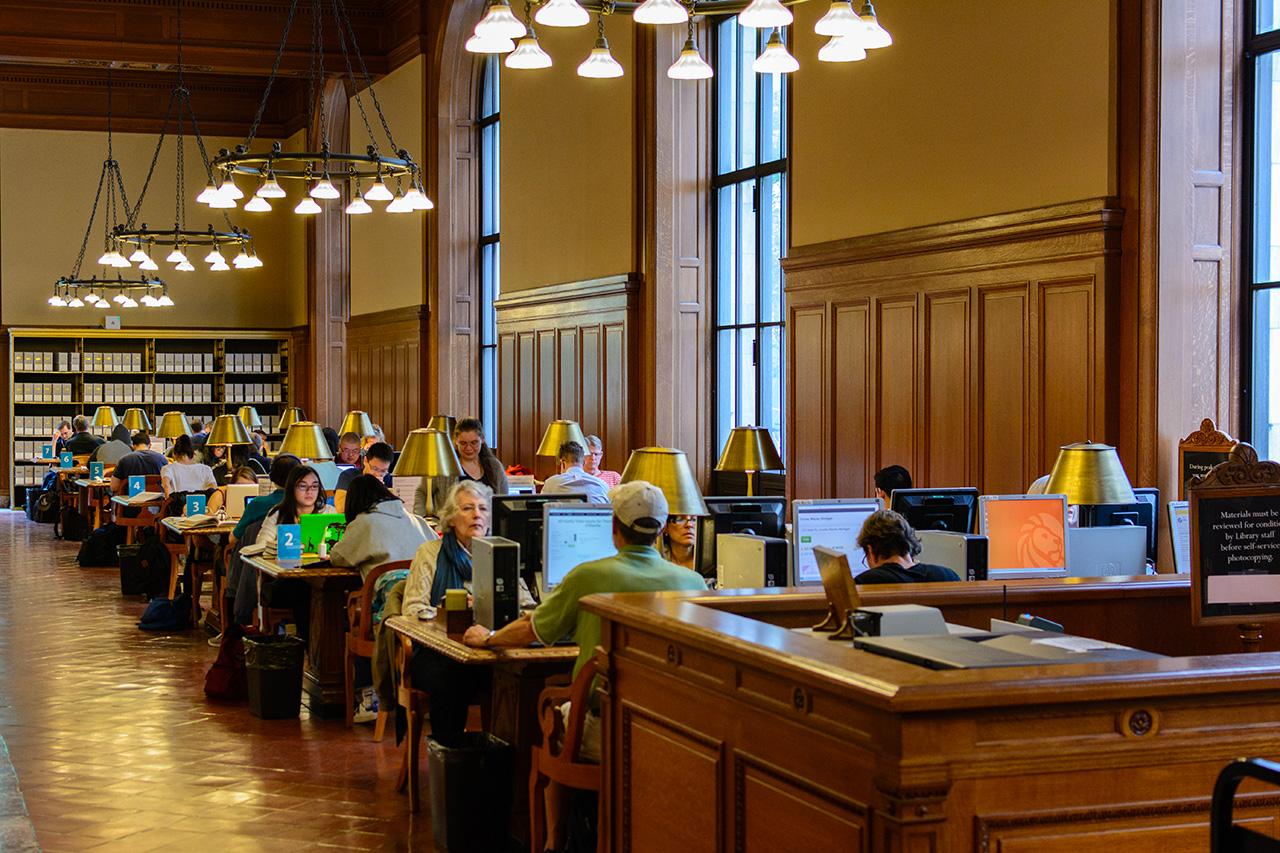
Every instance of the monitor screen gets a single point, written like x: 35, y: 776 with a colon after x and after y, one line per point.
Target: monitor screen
x: 761, y: 516
x: 832, y: 524
x: 519, y: 518
x: 573, y: 534
x: 1026, y: 535
x: 1140, y: 514
x: 954, y: 510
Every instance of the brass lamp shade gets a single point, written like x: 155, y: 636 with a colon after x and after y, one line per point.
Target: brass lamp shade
x: 291, y: 416
x: 136, y: 419
x: 668, y: 469
x: 749, y: 449
x: 428, y: 453
x: 558, y: 432
x: 1090, y: 474
x: 105, y: 417
x: 444, y: 423
x: 304, y: 440
x: 172, y: 425
x: 249, y: 415
x: 229, y: 429
x: 357, y: 422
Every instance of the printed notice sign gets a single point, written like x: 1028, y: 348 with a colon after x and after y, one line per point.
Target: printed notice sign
x: 1235, y: 549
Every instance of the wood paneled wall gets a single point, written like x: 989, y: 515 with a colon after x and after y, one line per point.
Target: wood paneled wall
x: 568, y: 351
x: 385, y: 357
x: 968, y: 351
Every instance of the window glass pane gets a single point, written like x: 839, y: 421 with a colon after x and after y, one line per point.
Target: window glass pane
x: 746, y: 351
x: 771, y: 237
x: 747, y: 79
x: 489, y: 94
x: 726, y: 100
x: 489, y: 180
x: 770, y: 367
x: 726, y: 255
x: 488, y: 291
x: 1266, y: 373
x: 1268, y: 12
x: 771, y: 137
x: 727, y: 378
x: 746, y: 227
x: 1266, y: 239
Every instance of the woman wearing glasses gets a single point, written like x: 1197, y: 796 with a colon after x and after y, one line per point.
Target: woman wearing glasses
x: 478, y: 464
x: 303, y: 495
x: 678, y: 543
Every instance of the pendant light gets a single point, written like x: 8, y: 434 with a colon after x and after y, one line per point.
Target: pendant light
x: 562, y: 13
x: 528, y: 53
x: 775, y: 59
x: 842, y: 49
x: 765, y: 14
x: 660, y: 12
x: 489, y: 44
x: 690, y: 65
x: 600, y: 62
x: 500, y: 22
x: 876, y: 35
x: 840, y: 20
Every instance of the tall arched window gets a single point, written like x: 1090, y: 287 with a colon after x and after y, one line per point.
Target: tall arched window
x: 489, y: 245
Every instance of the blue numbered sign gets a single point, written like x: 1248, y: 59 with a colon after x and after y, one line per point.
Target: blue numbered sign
x: 137, y: 483
x: 289, y: 542
x: 46, y: 451
x: 95, y: 471
x: 195, y: 505
x: 65, y: 460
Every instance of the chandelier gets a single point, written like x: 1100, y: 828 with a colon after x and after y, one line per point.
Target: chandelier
x: 368, y: 175
x: 851, y: 34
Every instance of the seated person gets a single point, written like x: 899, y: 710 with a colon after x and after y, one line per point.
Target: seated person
x: 256, y: 510
x: 379, y: 529
x: 242, y: 476
x: 303, y: 495
x: 678, y: 541
x: 891, y: 547
x: 184, y: 473
x: 477, y: 461
x: 591, y: 464
x: 378, y: 437
x: 890, y: 478
x: 200, y: 432
x: 241, y: 457
x: 572, y: 479
x: 141, y: 462
x: 114, y: 449
x: 83, y: 442
x: 348, y: 449
x: 377, y: 463
x: 60, y: 436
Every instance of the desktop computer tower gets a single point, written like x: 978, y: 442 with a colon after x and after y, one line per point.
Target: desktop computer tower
x: 495, y: 581
x: 746, y: 561
x: 963, y: 553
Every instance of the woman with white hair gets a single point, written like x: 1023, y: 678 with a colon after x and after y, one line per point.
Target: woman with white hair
x: 591, y: 464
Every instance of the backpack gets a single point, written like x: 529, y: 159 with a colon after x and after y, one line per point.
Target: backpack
x: 167, y: 614
x: 45, y: 507
x: 228, y: 679
x: 70, y: 526
x: 99, y: 547
x: 155, y: 562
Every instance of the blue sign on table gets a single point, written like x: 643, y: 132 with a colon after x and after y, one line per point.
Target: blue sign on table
x: 137, y: 483
x: 289, y: 543
x: 95, y: 470
x: 65, y: 460
x: 195, y: 505
x: 46, y: 451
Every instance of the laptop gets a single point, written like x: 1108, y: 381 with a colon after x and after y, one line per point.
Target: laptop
x: 329, y: 474
x: 313, y: 527
x: 239, y: 494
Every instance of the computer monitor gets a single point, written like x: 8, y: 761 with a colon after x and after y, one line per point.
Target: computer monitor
x: 832, y: 524
x: 1140, y: 514
x: 1026, y: 535
x: 954, y: 510
x: 519, y: 518
x: 760, y: 516
x: 573, y: 534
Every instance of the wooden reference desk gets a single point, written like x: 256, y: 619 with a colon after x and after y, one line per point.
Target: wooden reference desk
x: 195, y: 539
x: 725, y: 732
x: 323, y: 678
x: 119, y: 503
x: 97, y: 503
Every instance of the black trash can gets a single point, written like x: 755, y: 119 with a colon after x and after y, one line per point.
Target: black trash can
x: 470, y: 778
x: 132, y: 579
x: 274, y: 667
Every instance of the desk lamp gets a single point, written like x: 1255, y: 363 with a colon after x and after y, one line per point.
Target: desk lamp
x: 172, y: 425
x: 1090, y: 475
x: 668, y: 469
x: 558, y: 432
x: 291, y: 416
x: 444, y: 423
x: 749, y: 449
x: 357, y: 422
x: 305, y: 440
x: 135, y: 420
x: 228, y: 431
x: 428, y: 453
x: 105, y: 417
x: 249, y: 415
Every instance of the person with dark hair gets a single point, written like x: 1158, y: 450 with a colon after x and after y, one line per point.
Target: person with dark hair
x: 379, y: 530
x: 891, y: 548
x: 241, y: 457
x: 348, y: 449
x: 377, y: 463
x: 60, y: 435
x: 477, y: 461
x: 115, y: 449
x: 572, y: 479
x: 142, y: 461
x: 184, y: 473
x: 303, y: 495
x: 678, y: 542
x: 83, y: 442
x: 331, y: 439
x: 256, y: 510
x: 890, y: 478
x: 200, y: 432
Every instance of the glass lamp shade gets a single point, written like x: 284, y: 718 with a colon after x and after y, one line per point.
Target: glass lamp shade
x: 428, y: 453
x: 307, y: 206
x: 668, y: 469
x: 57, y: 301
x: 660, y: 12
x: 164, y: 300
x: 75, y: 302
x: 417, y: 199
x: 690, y: 65
x: 489, y: 44
x: 875, y: 36
x: 444, y: 423
x: 148, y: 264
x: 230, y: 429
x: 357, y: 422
x: 257, y: 204
x: 528, y: 54
x: 600, y: 63
x: 358, y: 206
x: 765, y: 14
x: 105, y: 417
x: 304, y: 440
x: 775, y: 59
x: 399, y: 204
x: 176, y: 256
x: 499, y: 22
x: 840, y: 20
x: 749, y: 448
x: 172, y: 425
x: 324, y: 188
x: 228, y: 189
x: 136, y: 419
x: 220, y: 266
x: 562, y: 13
x: 249, y: 415
x: 378, y: 192
x: 1090, y: 474
x: 207, y: 194
x: 842, y: 49
x: 214, y: 256
x: 138, y: 256
x: 270, y: 189
x: 291, y: 416
x: 222, y: 202
x: 558, y: 432
x: 185, y: 266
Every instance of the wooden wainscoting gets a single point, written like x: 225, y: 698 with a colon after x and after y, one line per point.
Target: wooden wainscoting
x: 385, y: 369
x: 569, y: 351
x: 968, y: 351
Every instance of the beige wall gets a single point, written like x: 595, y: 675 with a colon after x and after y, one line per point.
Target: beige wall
x: 568, y: 164
x: 977, y: 108
x: 44, y: 211
x: 388, y: 250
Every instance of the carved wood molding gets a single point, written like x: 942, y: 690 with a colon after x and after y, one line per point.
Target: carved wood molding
x: 743, y: 761
x: 1208, y: 435
x: 621, y: 291
x: 377, y: 323
x: 1242, y: 470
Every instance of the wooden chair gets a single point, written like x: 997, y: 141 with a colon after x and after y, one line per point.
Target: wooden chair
x: 146, y: 517
x: 557, y: 761
x: 70, y: 494
x: 1224, y: 833
x: 360, y: 638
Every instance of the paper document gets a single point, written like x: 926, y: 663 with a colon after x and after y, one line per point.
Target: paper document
x: 192, y: 521
x: 144, y: 497
x: 1076, y: 644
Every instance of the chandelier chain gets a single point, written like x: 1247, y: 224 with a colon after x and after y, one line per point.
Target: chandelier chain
x: 344, y: 29
x: 164, y: 130
x: 262, y: 107
x: 75, y: 271
x: 317, y: 75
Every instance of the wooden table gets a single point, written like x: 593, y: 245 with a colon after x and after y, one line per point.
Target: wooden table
x: 324, y: 679
x: 87, y: 501
x: 195, y: 539
x: 119, y: 503
x: 519, y: 676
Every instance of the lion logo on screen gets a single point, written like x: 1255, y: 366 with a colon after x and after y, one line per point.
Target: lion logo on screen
x: 1040, y: 541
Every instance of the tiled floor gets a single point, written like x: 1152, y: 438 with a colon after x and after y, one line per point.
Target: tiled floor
x: 116, y: 747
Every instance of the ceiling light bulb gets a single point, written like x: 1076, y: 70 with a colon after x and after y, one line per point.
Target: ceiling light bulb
x: 230, y: 190
x: 270, y: 189
x: 214, y: 257
x: 209, y: 192
x: 358, y: 205
x: 562, y: 13
x: 75, y: 302
x: 600, y: 62
x: 148, y: 264
x: 842, y: 49
x: 500, y: 22
x: 176, y: 256
x: 417, y: 199
x: 324, y: 188
x: 220, y: 266
x: 840, y: 20
x: 257, y: 204
x: 489, y: 44
x: 765, y: 14
x: 307, y: 205
x: 690, y: 65
x: 164, y: 300
x: 185, y: 266
x: 660, y: 12
x: 775, y: 59
x: 378, y: 192
x: 222, y: 202
x: 399, y: 204
x: 528, y: 54
x: 875, y: 35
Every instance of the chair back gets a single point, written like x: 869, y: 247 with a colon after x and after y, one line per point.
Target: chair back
x: 549, y: 714
x: 359, y: 611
